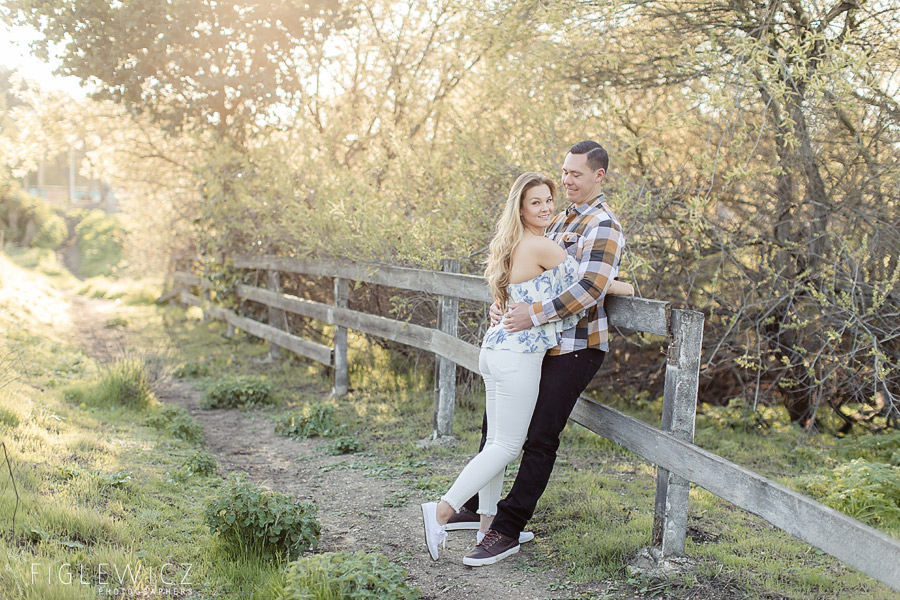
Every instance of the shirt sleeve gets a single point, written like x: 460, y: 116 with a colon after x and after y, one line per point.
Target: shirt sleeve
x: 598, y: 266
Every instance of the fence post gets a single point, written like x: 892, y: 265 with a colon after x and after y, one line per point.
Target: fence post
x: 341, y: 300
x: 679, y: 408
x: 445, y: 379
x: 277, y: 318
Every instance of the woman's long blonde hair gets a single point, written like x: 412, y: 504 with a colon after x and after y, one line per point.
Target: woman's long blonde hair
x: 508, y: 234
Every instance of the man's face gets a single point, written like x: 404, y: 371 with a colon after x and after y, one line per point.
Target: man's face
x: 580, y: 182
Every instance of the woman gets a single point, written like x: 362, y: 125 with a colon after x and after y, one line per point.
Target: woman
x: 523, y: 266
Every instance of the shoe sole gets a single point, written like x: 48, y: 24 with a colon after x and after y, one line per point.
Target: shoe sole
x: 434, y: 554
x: 481, y: 562
x: 462, y: 525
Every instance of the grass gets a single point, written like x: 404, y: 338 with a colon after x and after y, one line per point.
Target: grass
x: 99, y: 485
x: 101, y: 496
x: 598, y: 509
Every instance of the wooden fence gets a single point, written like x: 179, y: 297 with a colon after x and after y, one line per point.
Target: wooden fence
x: 679, y: 462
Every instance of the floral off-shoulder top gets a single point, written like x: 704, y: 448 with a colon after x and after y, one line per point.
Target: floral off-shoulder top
x: 549, y: 284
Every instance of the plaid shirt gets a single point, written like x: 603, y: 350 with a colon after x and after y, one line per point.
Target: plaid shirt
x: 591, y: 233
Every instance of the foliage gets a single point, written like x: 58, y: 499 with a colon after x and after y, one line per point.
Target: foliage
x: 8, y: 418
x: 346, y: 575
x: 125, y: 383
x: 315, y: 420
x: 28, y: 221
x: 100, y: 243
x: 200, y: 462
x: 237, y: 391
x: 249, y: 516
x: 345, y: 444
x: 866, y: 491
x: 176, y: 421
x: 779, y: 222
x: 873, y: 448
x: 191, y: 369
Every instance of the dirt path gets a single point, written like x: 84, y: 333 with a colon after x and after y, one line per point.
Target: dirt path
x: 351, y: 502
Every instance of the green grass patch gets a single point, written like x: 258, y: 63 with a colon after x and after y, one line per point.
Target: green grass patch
x: 125, y: 383
x: 345, y: 576
x: 316, y: 420
x: 177, y: 422
x: 869, y: 492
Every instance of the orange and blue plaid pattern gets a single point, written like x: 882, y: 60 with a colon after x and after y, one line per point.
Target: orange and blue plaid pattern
x: 590, y: 233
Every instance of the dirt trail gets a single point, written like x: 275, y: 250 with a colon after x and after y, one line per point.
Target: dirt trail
x: 351, y: 504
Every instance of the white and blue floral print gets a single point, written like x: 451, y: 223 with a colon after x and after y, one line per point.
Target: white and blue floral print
x: 549, y: 284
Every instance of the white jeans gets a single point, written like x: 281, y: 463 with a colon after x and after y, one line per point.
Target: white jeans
x: 511, y: 384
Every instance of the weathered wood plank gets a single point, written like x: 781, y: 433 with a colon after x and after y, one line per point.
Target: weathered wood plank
x: 185, y: 278
x: 858, y: 545
x: 445, y: 396
x: 679, y: 408
x: 294, y: 343
x: 424, y: 338
x: 287, y: 302
x: 190, y: 299
x: 341, y: 300
x: 639, y: 314
x: 277, y: 317
x: 467, y: 287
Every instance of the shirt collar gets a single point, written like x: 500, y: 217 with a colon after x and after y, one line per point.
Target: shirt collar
x: 581, y: 209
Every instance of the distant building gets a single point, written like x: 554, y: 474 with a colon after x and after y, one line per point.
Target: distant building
x: 58, y: 181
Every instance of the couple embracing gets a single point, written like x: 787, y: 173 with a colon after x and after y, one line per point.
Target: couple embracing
x: 548, y: 338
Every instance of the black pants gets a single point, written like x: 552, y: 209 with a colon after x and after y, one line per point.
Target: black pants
x: 563, y: 378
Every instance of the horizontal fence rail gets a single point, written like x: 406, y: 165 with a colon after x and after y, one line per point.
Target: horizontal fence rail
x: 671, y: 449
x: 865, y: 548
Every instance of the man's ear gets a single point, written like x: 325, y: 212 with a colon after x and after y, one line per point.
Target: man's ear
x: 599, y: 175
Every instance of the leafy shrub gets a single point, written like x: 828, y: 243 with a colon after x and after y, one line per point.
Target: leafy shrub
x: 248, y: 516
x: 28, y: 221
x: 191, y: 369
x: 200, y: 462
x: 52, y: 230
x: 241, y: 390
x: 866, y: 491
x: 125, y: 383
x: 176, y: 421
x: 100, y: 240
x: 315, y: 420
x: 346, y: 575
x: 874, y: 448
x: 345, y: 444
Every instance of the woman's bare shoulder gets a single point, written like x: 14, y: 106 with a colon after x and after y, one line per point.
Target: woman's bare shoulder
x: 547, y: 252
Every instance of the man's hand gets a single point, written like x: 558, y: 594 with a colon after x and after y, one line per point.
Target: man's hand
x: 518, y: 317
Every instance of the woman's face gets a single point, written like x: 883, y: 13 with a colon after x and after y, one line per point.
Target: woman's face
x: 537, y: 208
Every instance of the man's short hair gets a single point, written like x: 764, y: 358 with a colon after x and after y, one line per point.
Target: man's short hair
x: 597, y: 158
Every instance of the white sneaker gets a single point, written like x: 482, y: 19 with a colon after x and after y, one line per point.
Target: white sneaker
x: 524, y: 536
x: 435, y: 534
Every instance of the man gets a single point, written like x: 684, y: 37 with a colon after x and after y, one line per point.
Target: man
x: 590, y: 232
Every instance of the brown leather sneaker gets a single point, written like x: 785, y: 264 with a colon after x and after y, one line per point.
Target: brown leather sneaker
x: 464, y: 519
x: 493, y: 548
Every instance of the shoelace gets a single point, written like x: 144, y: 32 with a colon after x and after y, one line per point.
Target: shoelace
x: 442, y: 537
x: 490, y: 538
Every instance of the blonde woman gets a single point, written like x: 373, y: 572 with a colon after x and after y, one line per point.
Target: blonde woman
x: 523, y: 266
